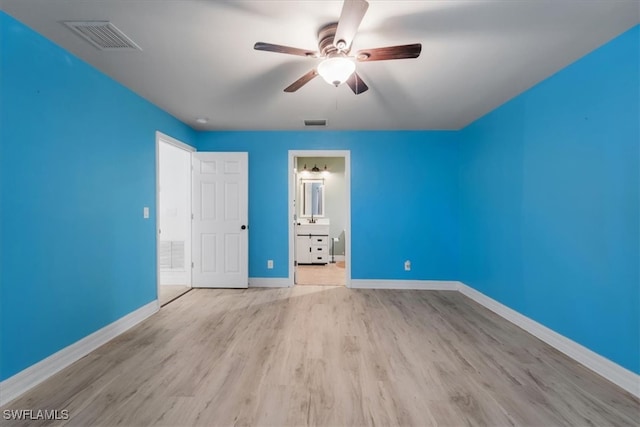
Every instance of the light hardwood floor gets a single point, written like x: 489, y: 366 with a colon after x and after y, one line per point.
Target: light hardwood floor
x: 170, y: 292
x: 329, y: 356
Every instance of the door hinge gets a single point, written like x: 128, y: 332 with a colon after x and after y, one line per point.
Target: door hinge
x: 192, y: 216
x: 192, y: 264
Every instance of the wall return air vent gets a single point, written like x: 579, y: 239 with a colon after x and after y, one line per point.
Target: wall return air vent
x: 102, y: 34
x: 315, y: 122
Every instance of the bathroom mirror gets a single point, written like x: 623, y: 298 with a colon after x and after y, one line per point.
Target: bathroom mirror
x: 311, y: 198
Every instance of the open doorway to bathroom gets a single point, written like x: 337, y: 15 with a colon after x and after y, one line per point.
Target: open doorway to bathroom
x: 320, y: 218
x: 174, y: 218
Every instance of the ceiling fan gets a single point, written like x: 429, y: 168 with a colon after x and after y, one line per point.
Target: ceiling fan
x: 334, y: 43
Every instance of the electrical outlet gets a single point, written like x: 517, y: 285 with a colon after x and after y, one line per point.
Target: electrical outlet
x: 145, y: 212
x: 407, y: 265
x: 270, y: 264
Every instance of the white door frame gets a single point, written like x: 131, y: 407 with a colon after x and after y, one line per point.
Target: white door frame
x: 161, y: 137
x: 346, y: 154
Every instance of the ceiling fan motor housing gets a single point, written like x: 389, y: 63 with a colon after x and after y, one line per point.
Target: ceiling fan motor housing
x: 325, y: 40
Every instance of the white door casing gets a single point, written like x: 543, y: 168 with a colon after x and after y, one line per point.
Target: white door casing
x: 220, y: 193
x: 162, y: 138
x: 346, y: 154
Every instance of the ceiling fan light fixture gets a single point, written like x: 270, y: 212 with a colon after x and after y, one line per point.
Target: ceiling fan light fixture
x: 336, y: 70
x: 335, y: 65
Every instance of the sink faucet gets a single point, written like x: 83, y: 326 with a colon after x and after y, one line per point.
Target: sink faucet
x: 313, y: 221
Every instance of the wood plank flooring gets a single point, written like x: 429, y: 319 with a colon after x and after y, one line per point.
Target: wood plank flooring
x: 170, y: 292
x: 329, y: 356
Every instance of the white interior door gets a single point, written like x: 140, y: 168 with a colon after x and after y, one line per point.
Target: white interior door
x: 220, y: 254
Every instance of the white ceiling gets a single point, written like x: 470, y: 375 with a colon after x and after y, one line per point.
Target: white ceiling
x: 197, y: 57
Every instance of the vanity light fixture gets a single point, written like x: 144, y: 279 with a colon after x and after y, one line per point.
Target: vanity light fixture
x: 315, y: 169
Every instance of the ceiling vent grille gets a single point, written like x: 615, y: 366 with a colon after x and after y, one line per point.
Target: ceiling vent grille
x: 315, y: 122
x: 102, y: 34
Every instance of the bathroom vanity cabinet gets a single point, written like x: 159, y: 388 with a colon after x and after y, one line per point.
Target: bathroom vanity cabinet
x: 312, y: 244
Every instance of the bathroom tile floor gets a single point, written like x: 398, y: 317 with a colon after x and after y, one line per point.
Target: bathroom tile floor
x: 321, y: 275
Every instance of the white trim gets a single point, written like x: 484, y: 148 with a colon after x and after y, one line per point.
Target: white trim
x: 174, y: 142
x: 346, y: 154
x: 30, y: 377
x: 628, y: 380
x: 269, y: 282
x: 161, y: 137
x: 425, y: 285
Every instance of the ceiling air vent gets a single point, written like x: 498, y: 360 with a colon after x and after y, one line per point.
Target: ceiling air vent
x: 102, y: 34
x: 315, y: 122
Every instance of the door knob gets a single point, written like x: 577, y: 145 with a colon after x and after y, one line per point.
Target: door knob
x: 243, y: 227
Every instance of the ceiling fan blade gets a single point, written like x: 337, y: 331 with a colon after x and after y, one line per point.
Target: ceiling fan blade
x: 350, y: 18
x: 301, y: 81
x: 356, y: 84
x: 391, y: 52
x: 268, y: 47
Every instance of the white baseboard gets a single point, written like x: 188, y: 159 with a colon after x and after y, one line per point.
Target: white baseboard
x: 628, y: 380
x: 337, y: 257
x: 269, y: 282
x: 427, y: 285
x: 19, y: 383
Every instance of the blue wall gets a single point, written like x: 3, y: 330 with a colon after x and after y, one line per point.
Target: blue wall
x: 535, y: 204
x: 403, y: 198
x: 77, y: 165
x: 549, y: 191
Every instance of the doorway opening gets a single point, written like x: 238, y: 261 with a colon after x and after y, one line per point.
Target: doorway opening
x: 320, y: 217
x: 173, y: 199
